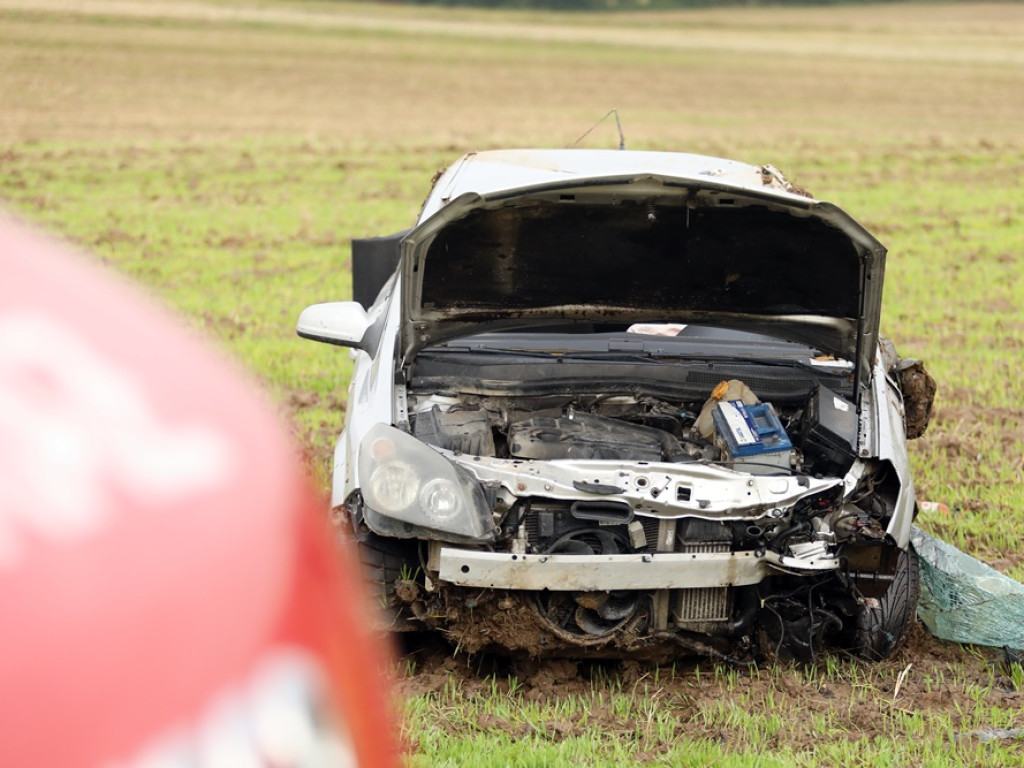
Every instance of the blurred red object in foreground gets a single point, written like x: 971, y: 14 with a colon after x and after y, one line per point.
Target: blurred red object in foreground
x: 168, y: 593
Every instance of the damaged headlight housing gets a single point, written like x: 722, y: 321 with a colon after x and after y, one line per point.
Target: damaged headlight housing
x: 409, y: 490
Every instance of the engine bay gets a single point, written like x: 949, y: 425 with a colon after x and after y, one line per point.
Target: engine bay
x: 816, y: 437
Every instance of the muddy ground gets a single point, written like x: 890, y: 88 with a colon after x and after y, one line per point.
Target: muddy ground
x: 940, y: 678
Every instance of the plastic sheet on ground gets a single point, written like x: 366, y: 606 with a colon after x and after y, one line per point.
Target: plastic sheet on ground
x: 964, y: 600
x: 991, y: 734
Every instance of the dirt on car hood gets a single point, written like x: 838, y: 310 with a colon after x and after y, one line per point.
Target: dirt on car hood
x: 645, y: 247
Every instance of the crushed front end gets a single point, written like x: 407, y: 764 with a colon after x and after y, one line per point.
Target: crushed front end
x: 610, y: 524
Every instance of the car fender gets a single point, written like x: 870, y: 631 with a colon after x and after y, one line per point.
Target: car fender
x: 371, y: 400
x: 886, y: 409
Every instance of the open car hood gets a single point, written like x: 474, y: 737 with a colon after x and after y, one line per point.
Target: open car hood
x: 588, y: 236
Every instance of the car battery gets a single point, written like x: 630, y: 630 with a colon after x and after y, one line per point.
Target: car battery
x: 751, y: 437
x: 830, y: 427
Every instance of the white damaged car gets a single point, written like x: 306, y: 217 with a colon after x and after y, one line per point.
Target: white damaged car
x: 620, y: 403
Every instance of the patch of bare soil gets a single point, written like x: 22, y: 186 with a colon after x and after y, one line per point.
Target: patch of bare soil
x: 316, y: 443
x: 865, y: 698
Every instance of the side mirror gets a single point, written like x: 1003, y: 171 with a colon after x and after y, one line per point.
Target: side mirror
x: 343, y: 323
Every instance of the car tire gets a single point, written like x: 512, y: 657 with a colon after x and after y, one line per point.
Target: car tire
x: 386, y: 562
x: 879, y: 632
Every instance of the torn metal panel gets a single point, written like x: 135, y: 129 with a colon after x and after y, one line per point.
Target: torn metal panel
x: 652, y: 488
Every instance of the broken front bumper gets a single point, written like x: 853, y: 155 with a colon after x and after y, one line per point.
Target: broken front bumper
x: 592, y: 573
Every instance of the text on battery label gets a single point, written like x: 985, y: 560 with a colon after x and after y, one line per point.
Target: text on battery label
x: 741, y: 431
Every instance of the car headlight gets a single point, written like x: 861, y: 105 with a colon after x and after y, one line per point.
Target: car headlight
x: 393, y: 485
x: 409, y: 490
x: 440, y: 500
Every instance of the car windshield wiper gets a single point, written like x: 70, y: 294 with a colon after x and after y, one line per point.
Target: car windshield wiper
x: 624, y: 355
x: 613, y: 355
x: 835, y: 366
x: 487, y: 350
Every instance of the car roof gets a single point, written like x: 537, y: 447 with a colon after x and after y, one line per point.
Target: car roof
x: 496, y: 171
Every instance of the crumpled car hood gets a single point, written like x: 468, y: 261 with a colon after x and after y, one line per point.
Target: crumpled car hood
x: 737, y: 249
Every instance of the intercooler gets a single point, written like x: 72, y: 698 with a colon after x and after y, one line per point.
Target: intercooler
x: 702, y: 609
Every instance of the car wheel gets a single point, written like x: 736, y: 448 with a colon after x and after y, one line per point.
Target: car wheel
x: 879, y: 630
x: 390, y: 565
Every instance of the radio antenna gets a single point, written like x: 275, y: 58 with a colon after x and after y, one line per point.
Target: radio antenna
x: 618, y: 124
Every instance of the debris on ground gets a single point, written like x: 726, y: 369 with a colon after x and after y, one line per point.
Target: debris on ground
x: 964, y: 600
x: 991, y: 734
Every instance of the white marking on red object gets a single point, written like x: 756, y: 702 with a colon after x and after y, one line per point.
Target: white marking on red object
x: 77, y: 432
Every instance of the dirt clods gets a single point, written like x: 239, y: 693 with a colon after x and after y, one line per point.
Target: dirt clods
x: 865, y: 699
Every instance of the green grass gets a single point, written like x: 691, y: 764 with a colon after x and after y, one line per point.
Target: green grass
x: 223, y: 154
x: 843, y: 715
x: 238, y: 236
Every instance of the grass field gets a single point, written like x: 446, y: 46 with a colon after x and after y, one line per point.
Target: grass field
x: 224, y: 152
